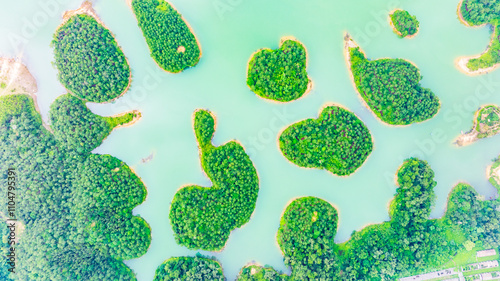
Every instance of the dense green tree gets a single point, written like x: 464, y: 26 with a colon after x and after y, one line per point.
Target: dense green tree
x: 77, y: 127
x: 258, y: 273
x: 337, y: 141
x: 202, y: 218
x: 189, y: 269
x: 391, y: 89
x: 76, y: 208
x: 305, y: 236
x: 404, y: 23
x: 280, y: 74
x: 172, y: 44
x: 477, y: 219
x: 477, y: 12
x: 408, y: 244
x: 91, y: 65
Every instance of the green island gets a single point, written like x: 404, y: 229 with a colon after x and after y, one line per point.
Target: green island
x: 171, y: 41
x: 403, y: 23
x: 203, y: 218
x: 478, y: 13
x: 391, y: 88
x: 409, y: 244
x: 90, y: 63
x: 486, y: 124
x: 189, y: 269
x: 338, y: 141
x: 74, y: 207
x: 279, y: 75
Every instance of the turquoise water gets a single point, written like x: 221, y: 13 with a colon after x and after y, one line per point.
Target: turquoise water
x: 228, y: 37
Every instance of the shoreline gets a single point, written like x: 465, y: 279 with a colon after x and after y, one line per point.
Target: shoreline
x: 22, y: 78
x: 349, y: 43
x: 87, y: 9
x: 461, y: 62
x: 282, y: 40
x: 129, y: 4
x: 325, y: 105
x: 397, y: 31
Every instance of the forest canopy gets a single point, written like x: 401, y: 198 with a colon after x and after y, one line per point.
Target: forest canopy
x: 337, y: 141
x: 76, y: 126
x: 305, y: 236
x: 477, y: 12
x: 391, y: 88
x: 203, y: 218
x: 90, y: 63
x: 405, y: 25
x: 280, y: 74
x: 76, y: 207
x: 189, y: 269
x: 172, y: 44
x: 409, y: 244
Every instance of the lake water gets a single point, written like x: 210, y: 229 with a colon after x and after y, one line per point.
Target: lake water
x: 229, y: 31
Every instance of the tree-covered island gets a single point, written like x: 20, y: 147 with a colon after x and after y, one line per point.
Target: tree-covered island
x: 280, y: 74
x: 89, y: 61
x: 391, y: 88
x: 486, y: 124
x: 338, y: 141
x: 404, y: 24
x: 408, y: 244
x: 203, y: 217
x: 171, y: 41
